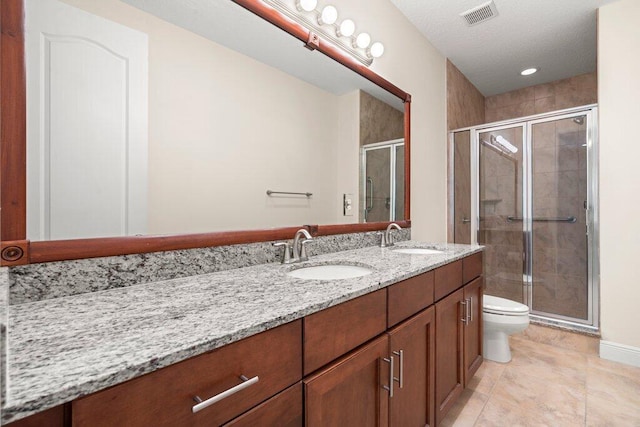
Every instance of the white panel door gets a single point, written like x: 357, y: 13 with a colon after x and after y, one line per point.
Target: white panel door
x: 86, y: 124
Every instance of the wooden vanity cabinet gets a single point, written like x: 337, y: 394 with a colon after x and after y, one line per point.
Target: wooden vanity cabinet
x: 331, y: 368
x: 166, y: 397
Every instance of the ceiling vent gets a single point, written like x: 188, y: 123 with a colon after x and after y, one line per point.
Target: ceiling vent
x: 481, y: 13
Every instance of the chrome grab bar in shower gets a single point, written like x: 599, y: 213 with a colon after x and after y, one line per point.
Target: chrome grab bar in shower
x: 557, y: 219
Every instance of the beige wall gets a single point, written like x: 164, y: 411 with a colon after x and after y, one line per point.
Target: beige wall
x: 618, y: 91
x: 465, y: 103
x: 414, y: 65
x: 557, y: 95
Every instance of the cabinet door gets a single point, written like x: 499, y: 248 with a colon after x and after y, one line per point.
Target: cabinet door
x: 449, y: 352
x: 473, y: 329
x: 412, y: 344
x: 350, y: 392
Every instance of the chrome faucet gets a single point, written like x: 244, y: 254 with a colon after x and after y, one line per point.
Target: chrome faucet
x: 297, y: 251
x: 386, y: 239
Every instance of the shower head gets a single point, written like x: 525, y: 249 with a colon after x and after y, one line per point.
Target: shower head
x: 579, y: 120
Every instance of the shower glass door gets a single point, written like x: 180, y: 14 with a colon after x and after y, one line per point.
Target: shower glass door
x: 536, y: 213
x: 500, y: 210
x: 558, y: 226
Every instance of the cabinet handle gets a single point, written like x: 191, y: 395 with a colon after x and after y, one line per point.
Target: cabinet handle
x: 470, y: 309
x: 389, y: 388
x: 465, y: 317
x: 400, y: 380
x: 246, y: 382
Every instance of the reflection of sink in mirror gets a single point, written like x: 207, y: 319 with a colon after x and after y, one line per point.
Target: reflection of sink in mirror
x: 329, y: 272
x: 418, y: 251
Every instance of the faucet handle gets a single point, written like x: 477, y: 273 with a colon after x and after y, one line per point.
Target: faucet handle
x: 383, y: 239
x: 286, y: 256
x: 303, y: 249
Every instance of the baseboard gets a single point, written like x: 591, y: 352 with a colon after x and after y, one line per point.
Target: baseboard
x: 620, y: 353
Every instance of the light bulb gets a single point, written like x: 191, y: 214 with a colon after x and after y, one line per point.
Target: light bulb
x: 376, y: 50
x: 528, y: 71
x: 328, y: 16
x: 363, y: 40
x: 306, y: 5
x: 347, y: 28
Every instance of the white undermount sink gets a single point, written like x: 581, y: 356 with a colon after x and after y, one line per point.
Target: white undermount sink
x: 417, y: 251
x: 329, y: 272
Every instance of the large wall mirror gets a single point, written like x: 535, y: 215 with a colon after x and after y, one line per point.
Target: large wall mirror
x: 165, y: 118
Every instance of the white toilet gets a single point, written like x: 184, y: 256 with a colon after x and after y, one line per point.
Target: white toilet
x: 502, y: 317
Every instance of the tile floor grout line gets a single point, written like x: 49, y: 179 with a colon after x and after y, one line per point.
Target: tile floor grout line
x: 489, y: 395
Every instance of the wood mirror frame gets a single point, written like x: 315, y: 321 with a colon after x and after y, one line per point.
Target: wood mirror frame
x: 17, y: 250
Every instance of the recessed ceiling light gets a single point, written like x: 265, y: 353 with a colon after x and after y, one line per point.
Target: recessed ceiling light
x: 528, y: 71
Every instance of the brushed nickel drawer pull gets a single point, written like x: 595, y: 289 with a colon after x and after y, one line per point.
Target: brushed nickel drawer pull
x: 246, y: 382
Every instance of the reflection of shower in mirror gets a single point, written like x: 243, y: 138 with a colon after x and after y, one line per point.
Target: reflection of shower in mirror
x: 382, y: 181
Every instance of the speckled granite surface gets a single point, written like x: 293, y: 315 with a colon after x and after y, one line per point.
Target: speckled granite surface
x: 4, y: 306
x: 67, y: 347
x: 37, y: 282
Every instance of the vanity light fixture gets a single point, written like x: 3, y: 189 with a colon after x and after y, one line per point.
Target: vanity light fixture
x: 528, y: 71
x: 306, y: 5
x: 323, y: 24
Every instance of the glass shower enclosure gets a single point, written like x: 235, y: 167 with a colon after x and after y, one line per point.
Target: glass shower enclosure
x: 531, y: 200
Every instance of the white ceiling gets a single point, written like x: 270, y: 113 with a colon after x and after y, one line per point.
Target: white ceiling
x: 556, y: 36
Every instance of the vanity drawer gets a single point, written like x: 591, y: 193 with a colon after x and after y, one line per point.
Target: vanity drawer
x: 330, y: 333
x: 471, y: 267
x: 448, y: 278
x: 166, y: 397
x: 282, y: 410
x: 410, y: 296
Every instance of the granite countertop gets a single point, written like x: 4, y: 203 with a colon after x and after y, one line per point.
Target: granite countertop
x: 64, y: 348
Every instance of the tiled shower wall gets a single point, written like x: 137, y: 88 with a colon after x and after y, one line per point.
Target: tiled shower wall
x: 560, y: 94
x: 465, y: 103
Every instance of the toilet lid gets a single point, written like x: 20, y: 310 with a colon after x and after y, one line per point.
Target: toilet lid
x: 499, y: 305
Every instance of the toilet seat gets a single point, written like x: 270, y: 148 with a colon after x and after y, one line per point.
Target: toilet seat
x: 502, y: 306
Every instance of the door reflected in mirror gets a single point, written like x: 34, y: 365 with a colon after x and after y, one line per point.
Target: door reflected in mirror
x: 140, y: 126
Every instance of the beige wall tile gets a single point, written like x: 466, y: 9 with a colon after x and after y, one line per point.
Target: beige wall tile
x: 565, y: 93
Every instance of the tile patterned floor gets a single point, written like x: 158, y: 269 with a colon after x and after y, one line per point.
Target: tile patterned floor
x: 555, y: 378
